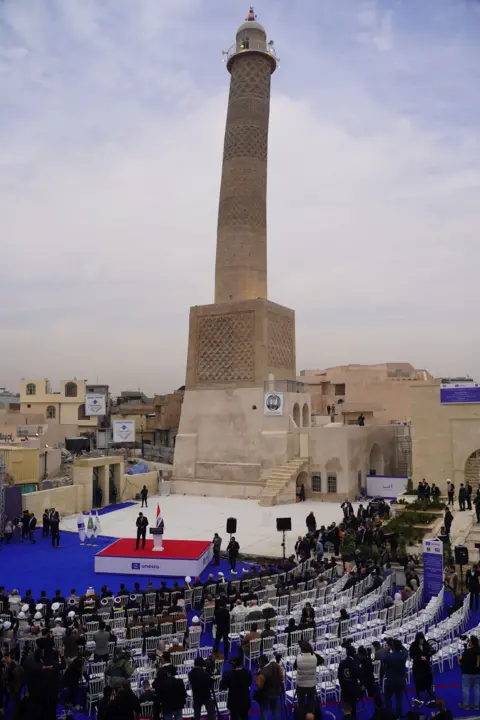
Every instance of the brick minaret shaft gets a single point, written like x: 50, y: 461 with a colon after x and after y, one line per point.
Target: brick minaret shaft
x: 241, y: 261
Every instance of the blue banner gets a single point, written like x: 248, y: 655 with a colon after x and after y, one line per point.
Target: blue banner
x: 432, y: 568
x: 459, y: 394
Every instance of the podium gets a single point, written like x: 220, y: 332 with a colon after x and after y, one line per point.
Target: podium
x: 157, y: 539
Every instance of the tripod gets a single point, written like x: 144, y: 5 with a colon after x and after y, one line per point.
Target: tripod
x: 283, y: 545
x: 295, y: 698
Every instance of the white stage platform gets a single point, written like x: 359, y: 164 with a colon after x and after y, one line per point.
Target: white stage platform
x: 193, y: 518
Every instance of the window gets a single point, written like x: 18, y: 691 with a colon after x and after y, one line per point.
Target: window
x: 51, y: 412
x: 316, y: 482
x: 340, y: 389
x: 332, y: 482
x: 71, y: 389
x: 81, y: 412
x: 31, y: 389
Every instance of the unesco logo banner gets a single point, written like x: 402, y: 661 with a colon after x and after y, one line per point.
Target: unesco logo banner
x: 135, y: 566
x: 144, y: 566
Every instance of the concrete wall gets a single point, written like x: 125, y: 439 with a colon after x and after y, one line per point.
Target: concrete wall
x: 347, y: 450
x: 168, y: 410
x: 54, y: 462
x: 132, y: 484
x: 224, y: 436
x: 443, y: 437
x: 21, y: 463
x: 76, y: 498
x: 67, y: 500
x: 367, y: 385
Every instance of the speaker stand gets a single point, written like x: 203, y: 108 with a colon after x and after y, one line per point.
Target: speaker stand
x: 462, y: 587
x: 283, y: 545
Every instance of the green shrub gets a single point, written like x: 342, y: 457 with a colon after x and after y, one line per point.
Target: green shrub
x: 422, y: 505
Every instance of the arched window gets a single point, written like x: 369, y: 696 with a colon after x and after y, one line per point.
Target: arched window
x: 31, y: 389
x: 472, y: 469
x: 296, y: 414
x: 71, y: 389
x: 51, y: 412
x: 81, y: 412
x: 305, y: 416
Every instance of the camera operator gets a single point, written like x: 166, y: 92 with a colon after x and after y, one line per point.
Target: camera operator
x: 201, y: 683
x: 470, y: 667
x: 306, y: 666
x: 268, y: 680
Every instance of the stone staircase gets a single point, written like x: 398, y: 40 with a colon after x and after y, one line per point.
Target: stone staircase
x: 277, y: 479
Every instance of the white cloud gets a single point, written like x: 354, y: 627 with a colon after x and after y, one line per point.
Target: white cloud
x: 376, y: 26
x: 110, y: 159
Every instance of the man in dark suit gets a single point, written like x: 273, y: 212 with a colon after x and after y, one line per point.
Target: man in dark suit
x: 233, y: 549
x: 55, y: 530
x: 222, y: 621
x: 238, y: 682
x: 142, y: 524
x: 32, y: 524
x: 393, y: 669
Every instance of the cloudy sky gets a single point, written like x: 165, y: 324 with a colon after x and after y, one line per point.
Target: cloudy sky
x: 111, y: 129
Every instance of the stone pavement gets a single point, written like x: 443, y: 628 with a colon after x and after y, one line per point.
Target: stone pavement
x: 466, y: 531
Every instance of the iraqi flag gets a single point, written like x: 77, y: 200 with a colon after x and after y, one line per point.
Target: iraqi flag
x: 97, y: 528
x: 159, y: 521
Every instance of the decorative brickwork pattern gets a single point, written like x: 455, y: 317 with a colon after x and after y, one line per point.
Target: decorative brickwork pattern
x: 280, y: 341
x: 251, y: 76
x: 255, y: 109
x: 225, y: 348
x: 245, y: 140
x: 241, y: 211
x: 241, y: 262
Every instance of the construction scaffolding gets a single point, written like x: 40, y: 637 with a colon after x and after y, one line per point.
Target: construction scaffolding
x: 2, y: 497
x: 403, y: 450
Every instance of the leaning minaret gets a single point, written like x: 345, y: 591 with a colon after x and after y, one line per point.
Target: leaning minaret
x: 242, y: 346
x: 241, y: 262
x: 243, y: 338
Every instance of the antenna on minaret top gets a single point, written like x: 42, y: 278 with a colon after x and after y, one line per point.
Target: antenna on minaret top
x: 251, y: 14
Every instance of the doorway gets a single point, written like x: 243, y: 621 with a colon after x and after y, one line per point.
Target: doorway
x: 112, y: 488
x: 95, y: 486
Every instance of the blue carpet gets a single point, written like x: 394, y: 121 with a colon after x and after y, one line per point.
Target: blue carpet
x: 40, y: 567
x: 113, y: 508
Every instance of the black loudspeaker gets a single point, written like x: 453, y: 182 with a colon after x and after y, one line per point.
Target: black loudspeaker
x: 231, y: 526
x: 284, y: 524
x: 461, y: 555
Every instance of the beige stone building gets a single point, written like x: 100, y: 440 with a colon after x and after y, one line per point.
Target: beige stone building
x: 168, y: 409
x: 136, y: 406
x: 445, y: 439
x: 16, y: 426
x: 65, y: 406
x: 381, y: 392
